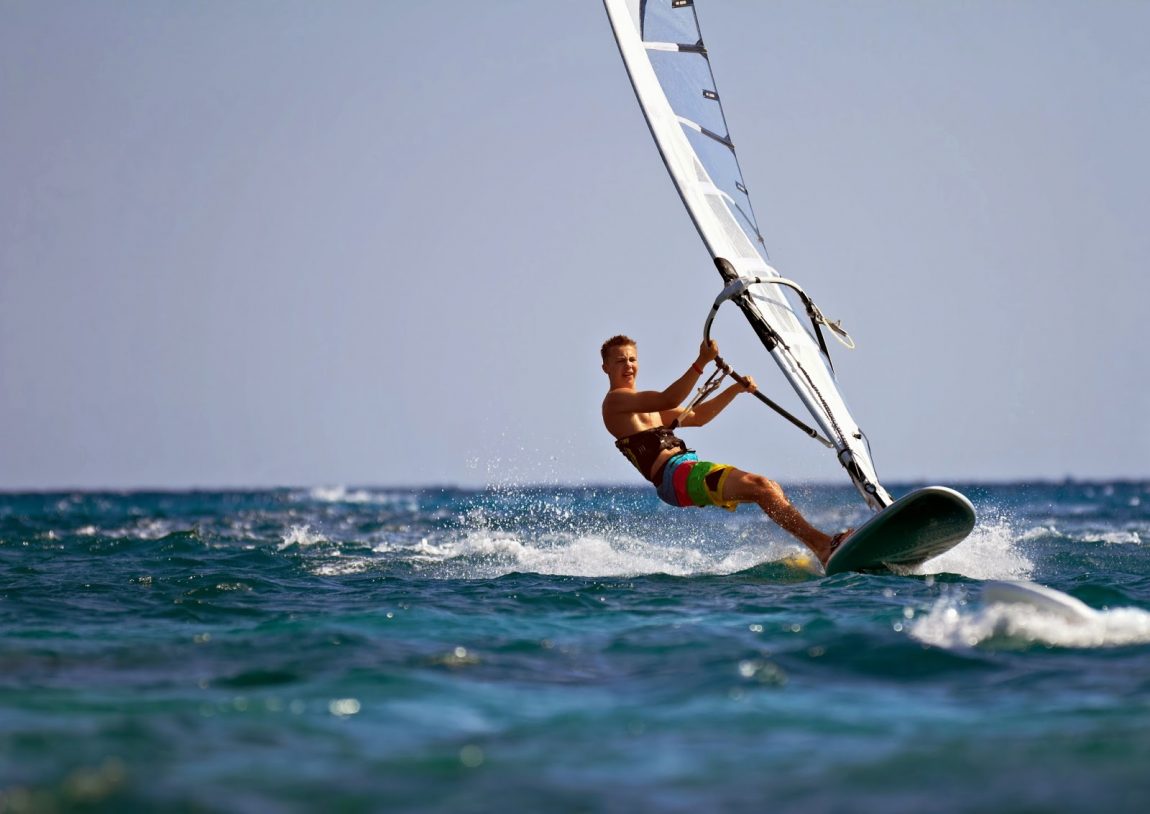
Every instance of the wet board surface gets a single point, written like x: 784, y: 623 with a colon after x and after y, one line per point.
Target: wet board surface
x: 913, y: 529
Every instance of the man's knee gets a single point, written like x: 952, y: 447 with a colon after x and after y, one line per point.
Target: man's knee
x: 767, y: 487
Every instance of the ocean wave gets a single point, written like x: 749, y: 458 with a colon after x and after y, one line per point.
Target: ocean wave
x: 301, y: 535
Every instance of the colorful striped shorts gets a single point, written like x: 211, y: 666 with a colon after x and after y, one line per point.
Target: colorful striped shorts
x: 687, y: 481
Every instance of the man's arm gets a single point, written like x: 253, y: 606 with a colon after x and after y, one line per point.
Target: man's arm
x: 706, y: 410
x: 652, y: 401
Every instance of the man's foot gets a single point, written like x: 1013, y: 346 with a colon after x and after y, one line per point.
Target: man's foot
x: 834, y: 544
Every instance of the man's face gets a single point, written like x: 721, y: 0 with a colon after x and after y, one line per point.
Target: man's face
x: 622, y: 365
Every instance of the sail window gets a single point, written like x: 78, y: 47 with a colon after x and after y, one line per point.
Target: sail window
x: 731, y: 228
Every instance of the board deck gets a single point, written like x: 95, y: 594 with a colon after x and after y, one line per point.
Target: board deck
x: 1039, y: 597
x: 916, y: 527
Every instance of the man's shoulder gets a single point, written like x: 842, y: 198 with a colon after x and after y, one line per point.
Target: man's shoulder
x: 616, y: 394
x: 620, y: 400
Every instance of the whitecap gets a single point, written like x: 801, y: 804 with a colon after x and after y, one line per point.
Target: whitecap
x: 341, y: 494
x: 1114, y: 537
x: 301, y: 536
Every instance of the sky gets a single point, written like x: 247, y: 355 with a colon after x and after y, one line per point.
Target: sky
x: 378, y: 243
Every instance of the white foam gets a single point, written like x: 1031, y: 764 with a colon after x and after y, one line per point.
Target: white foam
x: 341, y: 494
x: 341, y: 566
x: 1039, y: 532
x: 338, y: 494
x: 301, y: 536
x: 1113, y: 537
x: 955, y: 623
x: 486, y: 554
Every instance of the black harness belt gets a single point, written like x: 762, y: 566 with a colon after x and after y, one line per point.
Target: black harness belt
x: 643, y: 448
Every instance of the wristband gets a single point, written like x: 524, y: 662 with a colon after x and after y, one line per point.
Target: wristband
x: 695, y: 368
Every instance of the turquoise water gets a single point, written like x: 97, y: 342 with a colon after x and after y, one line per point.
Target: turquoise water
x: 566, y: 649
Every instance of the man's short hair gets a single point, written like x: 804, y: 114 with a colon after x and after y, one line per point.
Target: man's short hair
x: 615, y: 342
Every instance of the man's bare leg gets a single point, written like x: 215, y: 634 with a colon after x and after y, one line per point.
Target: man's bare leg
x: 746, y: 486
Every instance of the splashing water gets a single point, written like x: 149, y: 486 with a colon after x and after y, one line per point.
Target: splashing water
x: 990, y: 552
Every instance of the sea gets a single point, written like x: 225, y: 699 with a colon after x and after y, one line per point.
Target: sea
x: 563, y: 649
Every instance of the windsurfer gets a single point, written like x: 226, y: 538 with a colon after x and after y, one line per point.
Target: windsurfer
x: 641, y: 422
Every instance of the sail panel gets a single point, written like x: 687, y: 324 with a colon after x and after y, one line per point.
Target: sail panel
x: 660, y: 21
x: 670, y: 70
x: 689, y: 76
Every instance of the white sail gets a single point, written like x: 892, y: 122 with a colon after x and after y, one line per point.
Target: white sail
x: 670, y: 70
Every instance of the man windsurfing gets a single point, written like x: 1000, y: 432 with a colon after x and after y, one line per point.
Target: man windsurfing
x: 642, y: 423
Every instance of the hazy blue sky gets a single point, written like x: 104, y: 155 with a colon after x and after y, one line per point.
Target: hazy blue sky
x: 293, y: 242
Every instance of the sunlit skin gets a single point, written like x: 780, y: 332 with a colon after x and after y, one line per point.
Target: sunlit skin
x: 628, y: 410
